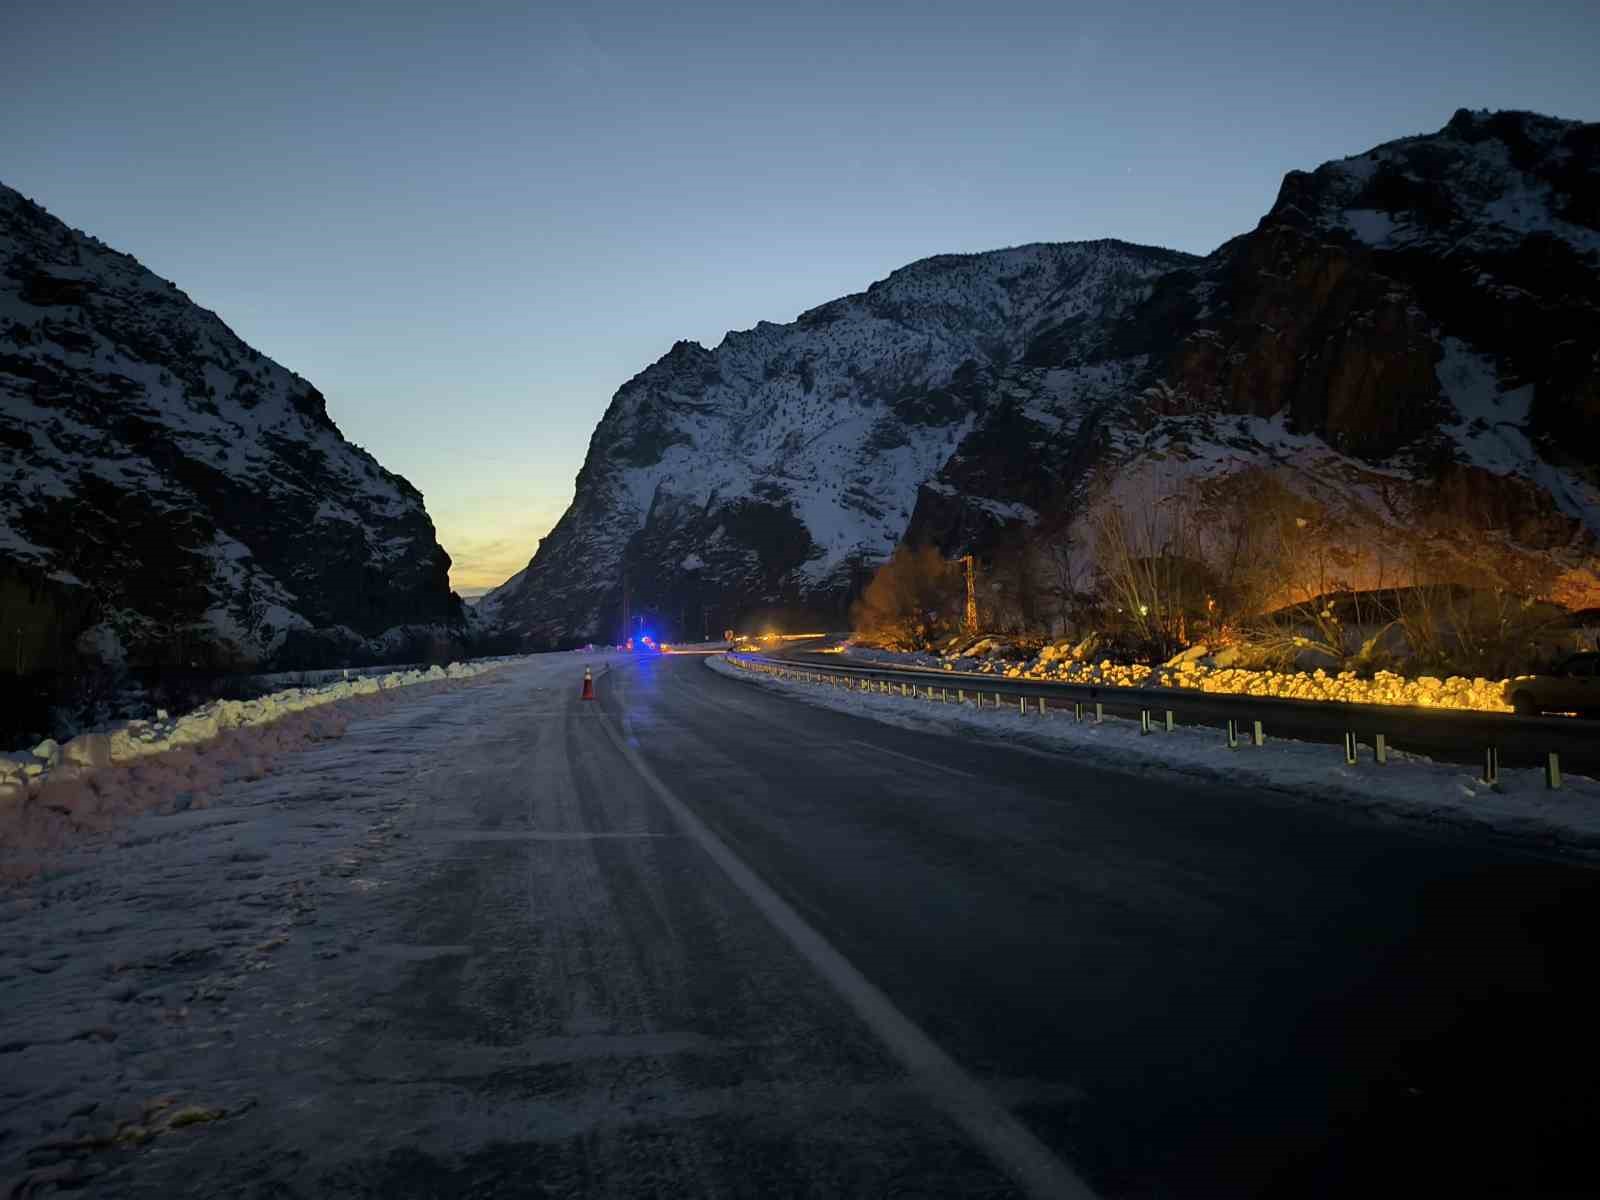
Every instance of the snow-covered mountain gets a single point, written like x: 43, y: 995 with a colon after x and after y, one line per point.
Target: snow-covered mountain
x: 168, y: 495
x: 1409, y: 337
x: 775, y: 469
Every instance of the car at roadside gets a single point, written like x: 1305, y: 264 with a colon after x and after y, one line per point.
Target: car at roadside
x: 1572, y: 686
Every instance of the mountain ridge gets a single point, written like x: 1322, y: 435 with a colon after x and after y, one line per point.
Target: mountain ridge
x: 875, y: 377
x: 1001, y: 398
x: 169, y: 495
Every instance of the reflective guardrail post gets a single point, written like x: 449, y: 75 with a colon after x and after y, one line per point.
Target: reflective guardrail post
x: 1552, y: 771
x: 1491, y: 765
x: 1349, y: 747
x: 1380, y: 749
x: 1233, y: 733
x: 1171, y: 722
x: 1144, y: 721
x: 1258, y: 736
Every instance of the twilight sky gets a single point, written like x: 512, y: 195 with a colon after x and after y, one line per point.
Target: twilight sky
x: 469, y: 223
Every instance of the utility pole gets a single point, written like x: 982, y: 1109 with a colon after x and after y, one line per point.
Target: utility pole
x: 970, y: 623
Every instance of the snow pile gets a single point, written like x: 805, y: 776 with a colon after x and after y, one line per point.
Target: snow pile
x: 1385, y: 687
x: 1410, y: 785
x: 1058, y: 664
x: 98, y: 779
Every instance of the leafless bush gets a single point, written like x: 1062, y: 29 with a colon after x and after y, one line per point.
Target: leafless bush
x: 1292, y: 578
x: 1481, y: 631
x: 1154, y: 583
x: 912, y: 600
x: 86, y: 697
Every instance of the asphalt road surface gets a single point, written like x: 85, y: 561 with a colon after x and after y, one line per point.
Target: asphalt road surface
x: 702, y: 940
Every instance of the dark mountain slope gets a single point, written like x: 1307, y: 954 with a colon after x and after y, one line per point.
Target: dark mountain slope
x: 169, y: 496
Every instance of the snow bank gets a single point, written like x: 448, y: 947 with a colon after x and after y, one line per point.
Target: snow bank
x: 1059, y: 664
x: 1410, y: 785
x: 98, y: 779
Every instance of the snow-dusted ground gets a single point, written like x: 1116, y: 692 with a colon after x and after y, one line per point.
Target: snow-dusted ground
x: 149, y: 974
x: 463, y: 949
x: 1409, y: 785
x: 52, y: 793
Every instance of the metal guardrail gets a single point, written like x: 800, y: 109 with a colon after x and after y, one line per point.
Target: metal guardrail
x: 1463, y: 733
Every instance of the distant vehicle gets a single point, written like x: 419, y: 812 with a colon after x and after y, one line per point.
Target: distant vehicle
x: 1571, y: 687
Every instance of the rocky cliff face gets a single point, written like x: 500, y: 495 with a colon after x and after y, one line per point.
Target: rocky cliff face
x: 1409, y: 339
x: 170, y: 496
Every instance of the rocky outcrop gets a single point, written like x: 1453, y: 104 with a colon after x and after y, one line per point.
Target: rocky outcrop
x: 1333, y: 310
x: 170, y: 496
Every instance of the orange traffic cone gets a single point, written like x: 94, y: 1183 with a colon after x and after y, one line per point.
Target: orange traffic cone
x: 588, y: 684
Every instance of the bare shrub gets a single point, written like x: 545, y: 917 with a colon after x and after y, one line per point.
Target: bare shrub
x: 86, y: 697
x: 1154, y: 583
x: 1061, y: 565
x: 1293, y: 579
x: 1490, y: 632
x: 912, y: 601
x: 1013, y: 592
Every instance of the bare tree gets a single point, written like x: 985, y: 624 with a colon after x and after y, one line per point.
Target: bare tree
x: 1153, y: 576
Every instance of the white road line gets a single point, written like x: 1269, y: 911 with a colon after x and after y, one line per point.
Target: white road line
x: 1005, y: 1139
x: 536, y: 835
x: 911, y: 758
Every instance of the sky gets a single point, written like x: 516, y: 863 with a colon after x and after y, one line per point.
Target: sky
x: 469, y: 223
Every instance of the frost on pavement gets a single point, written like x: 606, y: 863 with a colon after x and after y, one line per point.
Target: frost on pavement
x: 1410, y: 785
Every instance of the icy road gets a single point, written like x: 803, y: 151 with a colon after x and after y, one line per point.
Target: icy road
x: 700, y: 939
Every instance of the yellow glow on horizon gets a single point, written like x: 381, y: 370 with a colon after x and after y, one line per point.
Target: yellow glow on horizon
x: 489, y: 544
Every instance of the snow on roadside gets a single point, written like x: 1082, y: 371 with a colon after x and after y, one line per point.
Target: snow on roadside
x: 99, y: 780
x: 1059, y: 664
x: 158, y: 978
x: 1411, y: 785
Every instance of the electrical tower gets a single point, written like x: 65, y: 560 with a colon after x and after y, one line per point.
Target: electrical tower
x: 970, y: 623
